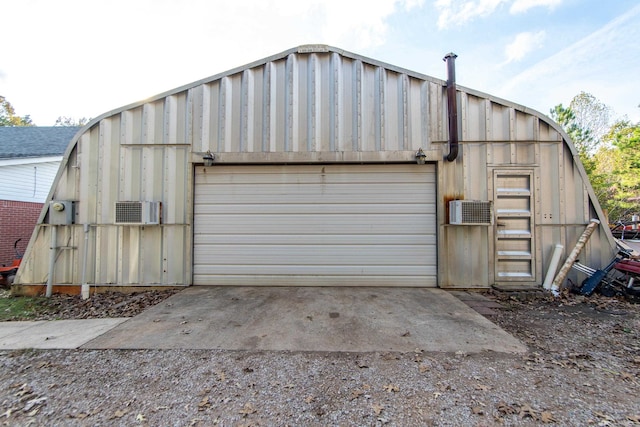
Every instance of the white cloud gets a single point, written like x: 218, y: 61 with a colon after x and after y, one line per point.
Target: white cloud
x: 461, y: 12
x: 589, y: 65
x: 78, y: 65
x: 520, y: 6
x: 523, y: 44
x: 363, y: 26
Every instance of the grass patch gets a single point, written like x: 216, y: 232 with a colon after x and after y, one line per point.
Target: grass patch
x: 20, y: 308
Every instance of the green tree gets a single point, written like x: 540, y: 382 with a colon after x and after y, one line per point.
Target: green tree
x: 592, y: 115
x: 69, y: 121
x: 581, y: 137
x: 621, y: 165
x: 8, y: 115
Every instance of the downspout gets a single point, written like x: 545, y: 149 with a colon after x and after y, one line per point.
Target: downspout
x: 452, y: 106
x: 53, y: 250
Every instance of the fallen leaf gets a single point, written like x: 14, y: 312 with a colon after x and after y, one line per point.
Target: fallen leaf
x: 482, y: 387
x: 477, y: 410
x: 140, y: 418
x: 309, y: 399
x: 247, y: 409
x: 634, y: 419
x: 423, y: 368
x: 505, y: 409
x: 204, y: 403
x: 356, y: 394
x: 118, y: 414
x: 33, y: 402
x: 527, y: 411
x: 437, y: 394
x: 392, y: 388
x: 377, y: 409
x: 547, y: 418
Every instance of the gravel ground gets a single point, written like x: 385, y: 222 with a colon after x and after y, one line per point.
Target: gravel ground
x: 582, y: 368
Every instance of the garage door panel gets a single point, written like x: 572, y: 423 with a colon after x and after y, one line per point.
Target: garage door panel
x: 314, y: 239
x: 310, y: 208
x: 322, y: 224
x: 319, y: 193
x: 319, y: 255
x: 298, y: 270
x: 332, y: 225
x: 320, y: 280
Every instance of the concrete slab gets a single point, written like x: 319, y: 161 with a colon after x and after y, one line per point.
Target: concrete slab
x: 54, y: 334
x: 310, y: 319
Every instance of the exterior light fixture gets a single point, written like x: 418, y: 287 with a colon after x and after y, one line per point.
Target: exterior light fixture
x: 420, y: 157
x: 208, y: 158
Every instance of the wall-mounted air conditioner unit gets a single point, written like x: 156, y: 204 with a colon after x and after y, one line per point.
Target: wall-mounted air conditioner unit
x: 470, y: 212
x: 145, y: 213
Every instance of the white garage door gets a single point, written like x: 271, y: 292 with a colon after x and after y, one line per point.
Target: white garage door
x: 320, y: 225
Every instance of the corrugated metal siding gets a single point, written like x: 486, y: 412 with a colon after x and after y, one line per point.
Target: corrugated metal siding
x: 315, y: 225
x: 312, y: 105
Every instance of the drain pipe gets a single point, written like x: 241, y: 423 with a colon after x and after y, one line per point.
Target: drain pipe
x: 84, y: 287
x: 53, y: 249
x: 452, y: 106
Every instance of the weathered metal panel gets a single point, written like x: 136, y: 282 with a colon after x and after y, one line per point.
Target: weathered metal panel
x: 306, y: 106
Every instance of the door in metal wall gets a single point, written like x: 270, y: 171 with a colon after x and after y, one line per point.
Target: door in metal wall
x: 514, y: 222
x: 315, y: 225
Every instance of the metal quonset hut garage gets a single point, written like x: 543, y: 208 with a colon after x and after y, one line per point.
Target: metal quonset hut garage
x: 314, y: 167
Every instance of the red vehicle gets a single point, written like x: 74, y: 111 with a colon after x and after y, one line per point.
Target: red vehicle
x: 8, y: 273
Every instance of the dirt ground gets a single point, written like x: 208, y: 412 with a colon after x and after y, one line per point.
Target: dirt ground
x: 582, y: 368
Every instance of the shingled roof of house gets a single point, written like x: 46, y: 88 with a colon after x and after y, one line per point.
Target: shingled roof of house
x: 34, y: 141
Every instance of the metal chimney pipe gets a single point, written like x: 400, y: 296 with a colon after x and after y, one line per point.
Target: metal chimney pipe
x: 452, y: 106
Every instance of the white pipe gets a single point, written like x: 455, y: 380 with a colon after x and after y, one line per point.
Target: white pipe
x: 52, y: 259
x: 553, y: 266
x: 84, y: 288
x: 593, y: 224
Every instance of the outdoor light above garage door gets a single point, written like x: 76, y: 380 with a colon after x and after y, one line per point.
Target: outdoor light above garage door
x: 420, y: 157
x: 208, y: 158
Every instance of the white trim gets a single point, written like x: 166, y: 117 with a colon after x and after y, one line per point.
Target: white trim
x: 29, y: 160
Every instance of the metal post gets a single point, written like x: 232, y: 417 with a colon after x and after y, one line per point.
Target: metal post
x: 52, y: 259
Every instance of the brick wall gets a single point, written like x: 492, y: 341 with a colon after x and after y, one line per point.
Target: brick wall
x: 17, y: 220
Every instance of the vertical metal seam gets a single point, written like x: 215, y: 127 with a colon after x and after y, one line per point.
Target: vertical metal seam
x: 379, y: 109
x: 222, y: 114
x: 402, y: 111
x: 244, y: 111
x: 311, y: 100
x: 266, y: 106
x: 357, y: 105
x: 288, y: 103
x: 425, y: 116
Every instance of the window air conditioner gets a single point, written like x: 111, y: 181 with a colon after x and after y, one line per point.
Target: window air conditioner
x: 470, y: 212
x: 145, y: 213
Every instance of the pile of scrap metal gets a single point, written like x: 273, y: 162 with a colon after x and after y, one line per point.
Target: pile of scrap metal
x: 620, y: 277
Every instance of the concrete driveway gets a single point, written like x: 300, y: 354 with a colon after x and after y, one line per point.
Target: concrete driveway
x: 310, y: 319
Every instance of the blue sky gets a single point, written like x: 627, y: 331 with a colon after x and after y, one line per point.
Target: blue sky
x: 82, y: 58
